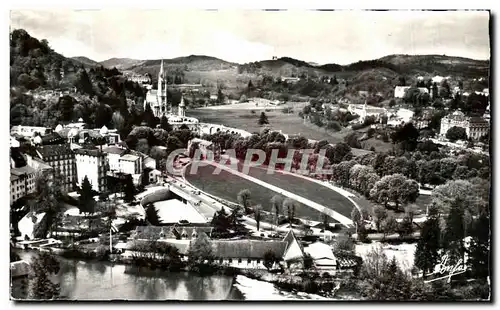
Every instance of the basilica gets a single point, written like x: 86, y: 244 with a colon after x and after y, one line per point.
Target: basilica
x: 158, y: 101
x: 157, y: 98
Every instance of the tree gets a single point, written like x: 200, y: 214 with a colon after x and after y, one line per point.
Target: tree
x: 277, y: 206
x: 343, y: 244
x: 257, y: 215
x: 40, y: 287
x: 243, y: 98
x: 269, y: 259
x: 118, y: 121
x: 129, y: 189
x: 454, y: 234
x: 427, y: 251
x: 352, y: 140
x: 289, y: 204
x: 148, y: 117
x: 48, y: 199
x: 479, y: 249
x: 456, y: 133
x: 326, y: 225
x: 389, y: 225
x: 407, y: 135
x: 152, y: 215
x: 380, y: 216
x: 396, y: 188
x: 199, y: 251
x: 406, y: 226
x: 263, y: 119
x: 244, y: 199
x: 87, y: 202
x: 164, y: 124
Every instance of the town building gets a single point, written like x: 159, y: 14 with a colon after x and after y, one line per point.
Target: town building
x: 30, y: 131
x: 157, y: 98
x: 291, y: 80
x: 40, y: 166
x: 364, y: 111
x: 22, y: 182
x: 91, y: 163
x: 398, y: 117
x: 62, y: 159
x: 475, y: 127
x: 114, y: 153
x: 400, y: 91
x: 130, y: 164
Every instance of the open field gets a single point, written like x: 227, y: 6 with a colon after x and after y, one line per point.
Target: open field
x: 227, y: 186
x: 288, y: 123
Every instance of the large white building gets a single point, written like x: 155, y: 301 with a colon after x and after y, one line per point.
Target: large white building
x: 93, y: 165
x: 475, y: 127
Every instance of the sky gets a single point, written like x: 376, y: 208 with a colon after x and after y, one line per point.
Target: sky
x: 242, y: 36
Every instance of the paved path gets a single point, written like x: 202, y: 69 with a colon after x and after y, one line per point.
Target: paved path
x: 337, y: 216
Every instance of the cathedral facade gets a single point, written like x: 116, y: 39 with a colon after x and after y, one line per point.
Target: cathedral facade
x: 157, y: 98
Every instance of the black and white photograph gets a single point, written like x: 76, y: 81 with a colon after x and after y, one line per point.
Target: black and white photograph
x: 191, y: 154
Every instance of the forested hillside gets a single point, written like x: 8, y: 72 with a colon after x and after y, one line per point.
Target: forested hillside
x: 48, y: 89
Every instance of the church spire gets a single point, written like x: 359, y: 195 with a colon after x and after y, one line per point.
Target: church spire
x: 161, y: 69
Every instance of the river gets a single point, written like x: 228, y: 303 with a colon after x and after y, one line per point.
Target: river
x: 93, y: 280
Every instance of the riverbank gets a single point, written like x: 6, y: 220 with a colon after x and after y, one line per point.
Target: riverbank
x: 296, y: 285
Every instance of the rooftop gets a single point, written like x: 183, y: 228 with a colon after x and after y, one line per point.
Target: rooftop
x: 89, y: 152
x: 129, y: 157
x: 22, y: 170
x: 54, y: 150
x: 113, y: 150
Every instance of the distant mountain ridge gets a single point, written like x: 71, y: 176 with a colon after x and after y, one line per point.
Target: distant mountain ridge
x: 401, y: 64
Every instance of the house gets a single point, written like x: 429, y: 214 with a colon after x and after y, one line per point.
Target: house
x: 62, y: 159
x: 322, y: 255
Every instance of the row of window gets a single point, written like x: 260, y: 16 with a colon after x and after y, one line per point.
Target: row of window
x: 249, y: 261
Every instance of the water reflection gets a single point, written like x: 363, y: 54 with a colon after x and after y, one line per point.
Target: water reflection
x: 92, y: 280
